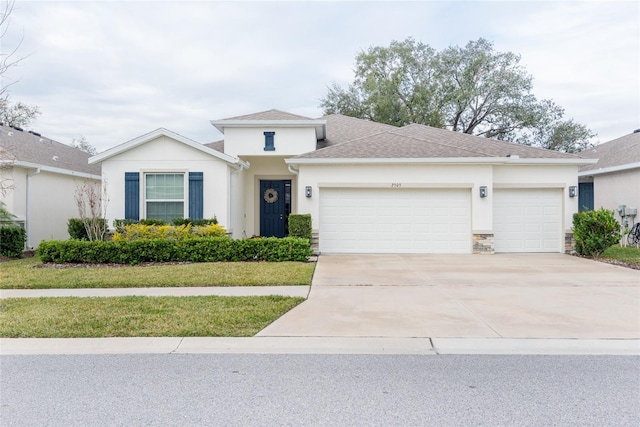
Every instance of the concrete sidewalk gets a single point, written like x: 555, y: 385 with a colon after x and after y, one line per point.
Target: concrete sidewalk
x: 230, y: 291
x: 316, y: 345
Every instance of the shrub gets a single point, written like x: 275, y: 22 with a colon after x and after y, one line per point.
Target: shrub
x: 197, y: 249
x: 153, y: 222
x: 208, y: 230
x: 119, y: 224
x: 140, y: 231
x: 195, y: 222
x: 595, y: 231
x: 12, y: 241
x: 300, y: 226
x: 77, y: 229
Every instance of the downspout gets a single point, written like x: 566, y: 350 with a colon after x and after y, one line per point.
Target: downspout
x: 28, y: 207
x: 292, y: 170
x: 241, y: 165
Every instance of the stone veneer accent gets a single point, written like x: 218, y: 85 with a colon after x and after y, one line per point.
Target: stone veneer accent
x: 483, y: 244
x: 569, y: 243
x: 315, y: 241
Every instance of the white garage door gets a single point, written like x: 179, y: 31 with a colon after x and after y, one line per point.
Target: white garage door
x: 368, y: 220
x: 527, y: 220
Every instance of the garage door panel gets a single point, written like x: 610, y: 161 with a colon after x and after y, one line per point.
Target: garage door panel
x: 527, y: 220
x: 404, y: 221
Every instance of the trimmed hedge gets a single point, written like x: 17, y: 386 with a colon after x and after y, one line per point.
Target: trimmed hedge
x: 12, y: 240
x: 194, y: 222
x: 300, y: 226
x: 204, y: 249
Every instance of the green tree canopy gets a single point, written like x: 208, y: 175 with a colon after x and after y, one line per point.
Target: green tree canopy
x: 471, y: 89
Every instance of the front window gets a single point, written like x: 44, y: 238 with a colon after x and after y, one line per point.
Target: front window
x: 164, y: 195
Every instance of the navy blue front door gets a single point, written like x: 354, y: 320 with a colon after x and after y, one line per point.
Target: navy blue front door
x: 585, y: 196
x: 275, y: 206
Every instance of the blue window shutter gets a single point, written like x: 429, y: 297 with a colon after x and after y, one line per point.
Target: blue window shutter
x: 195, y: 195
x: 132, y: 195
x: 268, y: 141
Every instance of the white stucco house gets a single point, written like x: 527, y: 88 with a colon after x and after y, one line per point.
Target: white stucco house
x: 615, y: 179
x: 369, y: 187
x: 40, y: 177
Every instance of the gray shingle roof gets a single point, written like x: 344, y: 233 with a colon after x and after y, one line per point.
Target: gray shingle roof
x: 26, y: 147
x: 216, y: 145
x: 344, y: 128
x: 481, y: 146
x: 272, y: 114
x: 621, y: 151
x: 362, y: 139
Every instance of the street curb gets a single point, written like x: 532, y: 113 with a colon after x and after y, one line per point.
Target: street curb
x: 553, y: 346
x: 319, y: 345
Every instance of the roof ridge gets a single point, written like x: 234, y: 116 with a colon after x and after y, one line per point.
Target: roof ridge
x: 439, y: 143
x: 494, y: 141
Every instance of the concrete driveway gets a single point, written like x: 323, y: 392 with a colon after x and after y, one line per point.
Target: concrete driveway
x: 466, y: 296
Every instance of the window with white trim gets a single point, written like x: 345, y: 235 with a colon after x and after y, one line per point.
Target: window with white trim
x: 164, y: 196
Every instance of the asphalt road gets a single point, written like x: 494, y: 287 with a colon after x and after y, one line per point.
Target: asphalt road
x: 336, y: 390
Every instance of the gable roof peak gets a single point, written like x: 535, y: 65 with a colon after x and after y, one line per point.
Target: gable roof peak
x: 272, y: 114
x: 150, y: 136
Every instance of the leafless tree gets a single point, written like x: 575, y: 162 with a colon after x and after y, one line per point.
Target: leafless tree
x: 9, y: 58
x: 92, y: 200
x: 83, y: 145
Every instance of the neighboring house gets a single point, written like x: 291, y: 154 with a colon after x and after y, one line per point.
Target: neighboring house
x: 40, y: 177
x: 615, y: 179
x: 369, y: 187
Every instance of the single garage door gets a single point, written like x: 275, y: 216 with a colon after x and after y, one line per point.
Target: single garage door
x: 527, y: 220
x: 376, y: 220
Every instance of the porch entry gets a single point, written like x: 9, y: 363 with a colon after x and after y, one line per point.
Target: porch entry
x: 275, y: 207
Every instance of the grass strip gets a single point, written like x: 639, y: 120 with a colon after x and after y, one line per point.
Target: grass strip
x: 628, y: 254
x: 207, y: 316
x: 29, y: 274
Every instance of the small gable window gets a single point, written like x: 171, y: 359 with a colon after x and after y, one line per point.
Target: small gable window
x: 268, y: 141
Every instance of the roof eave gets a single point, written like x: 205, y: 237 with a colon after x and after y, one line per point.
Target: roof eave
x: 319, y: 125
x: 441, y: 160
x: 611, y: 169
x: 61, y: 171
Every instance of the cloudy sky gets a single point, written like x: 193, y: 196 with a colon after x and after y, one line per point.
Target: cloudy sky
x: 112, y: 71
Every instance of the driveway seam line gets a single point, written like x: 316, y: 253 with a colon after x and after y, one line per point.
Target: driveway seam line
x: 476, y: 315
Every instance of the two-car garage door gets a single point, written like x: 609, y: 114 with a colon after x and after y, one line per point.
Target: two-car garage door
x: 417, y: 220
x: 395, y: 220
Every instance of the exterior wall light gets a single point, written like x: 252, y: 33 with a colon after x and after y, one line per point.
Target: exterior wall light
x: 307, y: 191
x: 573, y: 191
x: 483, y: 192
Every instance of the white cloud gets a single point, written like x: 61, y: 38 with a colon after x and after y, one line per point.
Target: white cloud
x: 112, y: 71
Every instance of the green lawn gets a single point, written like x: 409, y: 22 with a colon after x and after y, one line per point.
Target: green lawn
x: 629, y: 254
x: 209, y: 316
x: 29, y: 274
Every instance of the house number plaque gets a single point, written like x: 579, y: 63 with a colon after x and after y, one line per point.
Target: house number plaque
x: 396, y: 185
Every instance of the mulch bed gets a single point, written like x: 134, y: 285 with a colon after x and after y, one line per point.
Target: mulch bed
x: 107, y: 265
x: 619, y: 263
